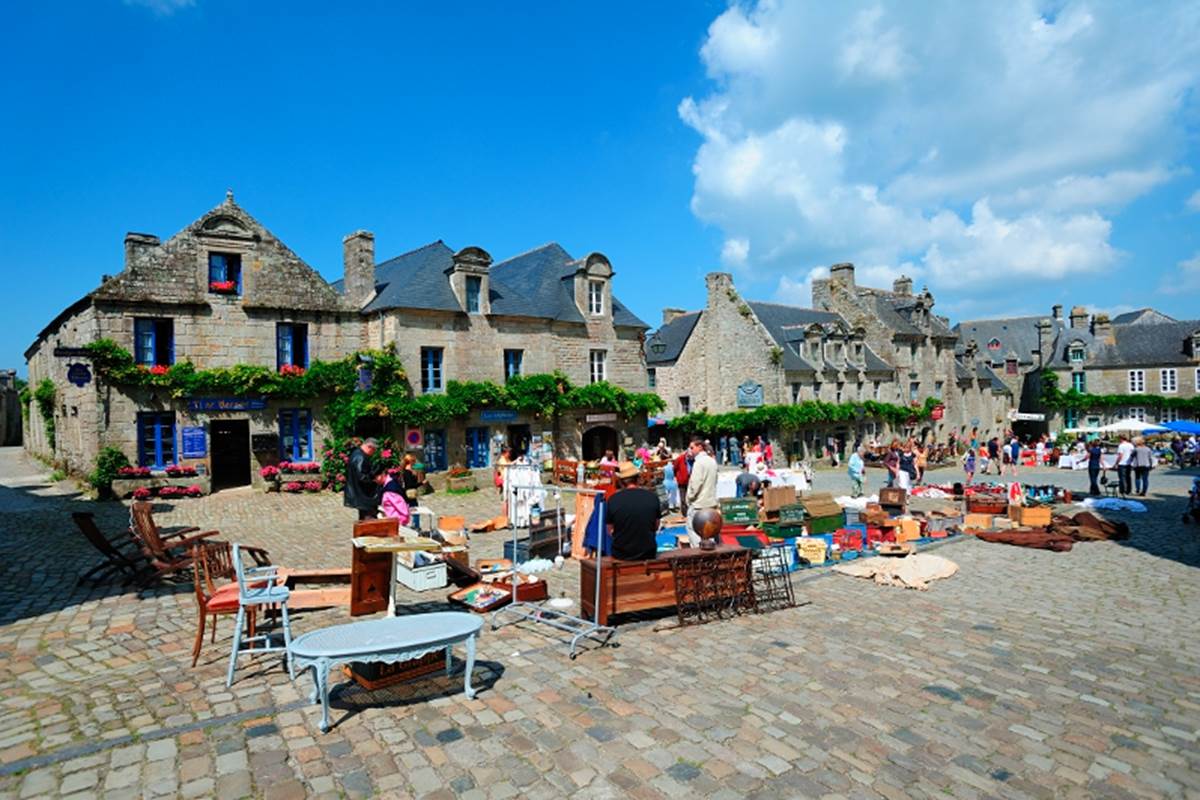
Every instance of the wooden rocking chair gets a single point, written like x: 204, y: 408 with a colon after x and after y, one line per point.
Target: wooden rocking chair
x: 167, y: 554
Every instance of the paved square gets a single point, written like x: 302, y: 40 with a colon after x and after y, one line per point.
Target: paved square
x: 1028, y: 674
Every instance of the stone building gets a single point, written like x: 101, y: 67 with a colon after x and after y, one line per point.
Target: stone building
x: 224, y: 292
x: 10, y: 409
x: 855, y: 344
x: 457, y: 316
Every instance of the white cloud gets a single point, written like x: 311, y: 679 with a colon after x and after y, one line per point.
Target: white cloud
x: 1193, y: 202
x: 798, y: 292
x: 965, y: 144
x: 162, y: 8
x: 1186, y: 277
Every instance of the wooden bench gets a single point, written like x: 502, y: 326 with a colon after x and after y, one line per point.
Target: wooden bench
x: 628, y: 586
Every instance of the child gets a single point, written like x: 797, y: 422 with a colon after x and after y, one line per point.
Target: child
x: 392, y: 502
x: 969, y: 465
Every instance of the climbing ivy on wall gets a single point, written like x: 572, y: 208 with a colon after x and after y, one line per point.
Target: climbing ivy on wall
x: 389, y: 395
x: 45, y: 396
x: 1053, y: 397
x: 798, y: 415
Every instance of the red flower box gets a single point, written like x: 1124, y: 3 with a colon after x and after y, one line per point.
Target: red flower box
x: 223, y: 287
x: 291, y: 370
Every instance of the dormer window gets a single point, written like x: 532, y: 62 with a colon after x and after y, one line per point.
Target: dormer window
x: 993, y: 344
x: 224, y: 273
x: 596, y: 298
x: 474, y: 290
x: 858, y: 353
x: 1078, y: 353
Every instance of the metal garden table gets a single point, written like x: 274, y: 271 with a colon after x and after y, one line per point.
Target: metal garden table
x: 388, y: 641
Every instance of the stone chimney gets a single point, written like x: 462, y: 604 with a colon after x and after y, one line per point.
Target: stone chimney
x: 672, y: 314
x: 719, y: 285
x: 1056, y: 312
x: 358, y: 265
x: 1102, y: 328
x: 1079, y: 317
x: 842, y: 274
x: 139, y: 248
x: 1044, y: 328
x: 970, y: 353
x: 902, y: 286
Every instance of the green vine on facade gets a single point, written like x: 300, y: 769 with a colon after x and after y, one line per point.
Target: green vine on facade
x: 390, y: 394
x: 1053, y: 397
x: 796, y: 416
x: 46, y: 398
x: 776, y: 356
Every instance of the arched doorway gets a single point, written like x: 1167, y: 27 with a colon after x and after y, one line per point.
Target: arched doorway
x: 597, y: 440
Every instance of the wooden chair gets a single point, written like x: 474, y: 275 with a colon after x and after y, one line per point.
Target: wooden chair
x: 167, y: 556
x: 115, y: 561
x: 216, y: 591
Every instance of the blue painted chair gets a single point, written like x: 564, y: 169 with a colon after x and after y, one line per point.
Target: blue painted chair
x: 258, y: 586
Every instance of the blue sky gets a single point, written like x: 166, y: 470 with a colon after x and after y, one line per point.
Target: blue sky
x: 1010, y: 156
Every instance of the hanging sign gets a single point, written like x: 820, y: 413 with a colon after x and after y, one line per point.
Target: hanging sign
x: 750, y: 395
x: 79, y: 374
x: 600, y: 418
x: 937, y: 412
x: 226, y: 403
x: 194, y: 443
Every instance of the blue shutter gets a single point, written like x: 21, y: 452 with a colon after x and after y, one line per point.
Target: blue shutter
x: 143, y: 340
x: 169, y: 326
x: 307, y: 454
x: 283, y: 344
x: 300, y: 344
x: 216, y: 267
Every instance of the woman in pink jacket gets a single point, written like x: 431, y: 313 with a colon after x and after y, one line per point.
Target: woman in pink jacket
x: 392, y: 502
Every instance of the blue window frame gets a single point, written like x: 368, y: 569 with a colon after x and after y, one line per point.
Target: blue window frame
x: 513, y: 362
x: 435, y: 450
x: 1070, y: 418
x: 431, y: 369
x: 156, y: 439
x: 478, y: 444
x: 154, y: 342
x: 474, y: 288
x: 225, y: 267
x: 295, y: 434
x: 291, y: 344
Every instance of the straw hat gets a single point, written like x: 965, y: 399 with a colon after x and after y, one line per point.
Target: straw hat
x: 627, y: 469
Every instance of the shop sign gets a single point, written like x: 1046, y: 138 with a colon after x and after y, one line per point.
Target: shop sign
x: 750, y: 395
x: 200, y: 404
x: 194, y: 443
x: 1020, y: 416
x: 72, y: 352
x: 600, y: 418
x: 937, y: 412
x: 497, y: 415
x: 264, y: 442
x: 79, y: 374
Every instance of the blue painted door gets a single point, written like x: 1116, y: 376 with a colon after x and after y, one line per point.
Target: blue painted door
x: 435, y: 451
x: 477, y: 448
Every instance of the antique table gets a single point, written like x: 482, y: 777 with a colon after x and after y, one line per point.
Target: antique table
x: 388, y: 641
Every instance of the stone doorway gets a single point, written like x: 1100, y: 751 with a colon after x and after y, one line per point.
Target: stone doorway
x: 598, y: 440
x: 230, y: 453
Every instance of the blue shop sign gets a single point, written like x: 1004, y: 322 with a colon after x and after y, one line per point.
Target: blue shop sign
x: 750, y: 395
x: 194, y: 443
x: 497, y: 415
x: 79, y: 374
x: 196, y: 404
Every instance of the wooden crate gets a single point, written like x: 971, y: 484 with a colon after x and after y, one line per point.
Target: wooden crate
x: 1030, y: 516
x: 776, y: 497
x: 893, y: 496
x: 374, y: 675
x: 792, y: 514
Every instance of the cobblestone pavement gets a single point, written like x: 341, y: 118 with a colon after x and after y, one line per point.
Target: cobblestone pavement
x: 1028, y: 674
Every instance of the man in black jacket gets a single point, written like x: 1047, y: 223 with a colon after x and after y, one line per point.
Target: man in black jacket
x: 361, y: 493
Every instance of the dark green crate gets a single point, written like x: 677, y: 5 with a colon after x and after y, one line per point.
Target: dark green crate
x: 819, y: 525
x: 740, y: 510
x: 779, y: 530
x: 793, y: 513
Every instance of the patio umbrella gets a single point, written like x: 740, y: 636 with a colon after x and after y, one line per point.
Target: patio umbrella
x: 1131, y: 426
x: 1183, y: 426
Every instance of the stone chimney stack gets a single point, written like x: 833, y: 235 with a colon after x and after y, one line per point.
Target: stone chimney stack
x: 1056, y: 312
x: 1079, y: 318
x: 139, y: 248
x: 1044, y: 328
x: 672, y: 314
x: 1102, y: 328
x: 719, y: 285
x: 358, y: 265
x: 902, y: 286
x: 842, y: 274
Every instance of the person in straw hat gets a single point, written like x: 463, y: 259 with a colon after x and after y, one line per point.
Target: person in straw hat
x: 633, y: 517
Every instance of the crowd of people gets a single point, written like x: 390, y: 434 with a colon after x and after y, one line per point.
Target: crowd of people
x: 372, y: 491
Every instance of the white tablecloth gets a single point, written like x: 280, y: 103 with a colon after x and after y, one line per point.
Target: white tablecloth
x: 727, y: 481
x: 1107, y: 461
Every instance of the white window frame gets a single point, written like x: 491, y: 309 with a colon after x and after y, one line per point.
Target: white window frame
x: 1082, y: 377
x: 1137, y: 412
x: 1168, y: 380
x: 597, y: 366
x: 595, y: 297
x: 1080, y: 352
x: 1137, y: 381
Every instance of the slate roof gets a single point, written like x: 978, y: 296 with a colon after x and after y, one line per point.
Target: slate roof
x: 1016, y: 334
x: 1133, y: 345
x: 533, y: 284
x: 962, y: 372
x: 1143, y: 316
x: 675, y: 335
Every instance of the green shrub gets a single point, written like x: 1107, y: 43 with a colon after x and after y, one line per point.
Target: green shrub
x: 57, y: 475
x: 45, y: 396
x: 108, y: 462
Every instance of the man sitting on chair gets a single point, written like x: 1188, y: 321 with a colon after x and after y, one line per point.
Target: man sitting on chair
x: 633, y: 517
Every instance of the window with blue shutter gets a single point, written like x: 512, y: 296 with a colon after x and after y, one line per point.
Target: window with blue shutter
x: 156, y: 439
x: 431, y: 369
x: 295, y: 434
x: 154, y: 342
x: 291, y: 344
x: 512, y: 363
x: 225, y: 273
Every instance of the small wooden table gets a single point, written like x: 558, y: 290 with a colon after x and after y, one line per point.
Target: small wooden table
x: 389, y: 640
x: 635, y: 585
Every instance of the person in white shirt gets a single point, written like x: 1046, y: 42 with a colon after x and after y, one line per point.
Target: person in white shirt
x: 701, y: 486
x: 1125, y: 465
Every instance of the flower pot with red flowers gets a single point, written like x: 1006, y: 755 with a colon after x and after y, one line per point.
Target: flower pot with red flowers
x: 460, y: 479
x: 222, y: 287
x: 291, y: 370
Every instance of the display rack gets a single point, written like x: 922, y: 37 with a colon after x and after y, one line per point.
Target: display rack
x: 578, y: 627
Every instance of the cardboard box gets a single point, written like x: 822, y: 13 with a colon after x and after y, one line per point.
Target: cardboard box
x: 1003, y: 523
x: 978, y: 521
x: 908, y: 530
x: 1030, y: 516
x: 776, y: 497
